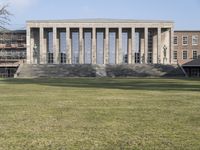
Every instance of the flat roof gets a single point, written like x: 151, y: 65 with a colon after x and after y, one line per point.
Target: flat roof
x: 186, y: 30
x: 99, y: 20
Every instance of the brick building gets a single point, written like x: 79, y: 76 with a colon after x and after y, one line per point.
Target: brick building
x: 187, y: 51
x: 186, y: 46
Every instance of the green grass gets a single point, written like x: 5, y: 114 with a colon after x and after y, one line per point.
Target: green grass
x: 92, y: 113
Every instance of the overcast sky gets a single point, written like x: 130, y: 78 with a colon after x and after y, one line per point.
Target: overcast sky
x: 185, y: 13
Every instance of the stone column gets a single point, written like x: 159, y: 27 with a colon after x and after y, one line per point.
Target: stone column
x: 116, y: 47
x: 43, y: 53
x: 171, y: 44
x: 94, y: 46
x: 142, y: 45
x: 129, y: 52
x: 146, y: 45
x: 32, y: 43
x: 167, y: 44
x: 133, y: 46
x: 159, y: 50
x: 155, y: 47
x: 119, y: 46
x: 45, y: 47
x: 55, y: 46
x: 69, y: 47
x: 81, y: 49
x: 28, y: 45
x: 106, y: 45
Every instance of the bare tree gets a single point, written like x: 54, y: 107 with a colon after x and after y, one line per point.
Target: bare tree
x: 4, y: 16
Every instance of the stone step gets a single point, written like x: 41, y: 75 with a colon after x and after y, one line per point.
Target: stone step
x: 136, y: 70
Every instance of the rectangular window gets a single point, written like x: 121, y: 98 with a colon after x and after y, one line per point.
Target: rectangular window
x: 50, y: 58
x: 185, y: 40
x: 137, y: 58
x: 194, y: 55
x: 195, y: 40
x: 63, y: 58
x: 175, y: 40
x: 175, y: 55
x: 185, y: 55
x: 195, y: 72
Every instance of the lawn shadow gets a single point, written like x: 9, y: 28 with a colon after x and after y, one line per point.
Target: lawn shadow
x: 153, y: 84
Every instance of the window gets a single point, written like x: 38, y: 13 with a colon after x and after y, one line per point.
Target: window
x: 50, y: 58
x: 150, y: 47
x: 184, y: 54
x: 62, y: 58
x: 150, y: 58
x: 195, y: 39
x: 195, y: 72
x: 185, y: 40
x: 137, y: 58
x: 175, y: 55
x: 194, y: 55
x: 175, y: 40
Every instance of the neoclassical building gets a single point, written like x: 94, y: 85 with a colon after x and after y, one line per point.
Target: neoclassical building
x: 99, y: 41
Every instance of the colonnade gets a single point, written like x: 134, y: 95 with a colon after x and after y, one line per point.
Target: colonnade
x: 146, y: 45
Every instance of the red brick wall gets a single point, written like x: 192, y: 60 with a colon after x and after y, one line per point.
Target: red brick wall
x: 180, y: 47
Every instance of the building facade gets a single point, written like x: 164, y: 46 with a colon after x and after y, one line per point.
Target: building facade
x: 13, y: 44
x: 12, y: 51
x: 186, y: 46
x: 101, y: 41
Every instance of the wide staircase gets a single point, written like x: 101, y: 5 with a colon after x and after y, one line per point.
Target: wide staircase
x: 124, y: 70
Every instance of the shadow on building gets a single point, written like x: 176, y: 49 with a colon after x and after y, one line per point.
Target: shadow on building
x: 192, y: 68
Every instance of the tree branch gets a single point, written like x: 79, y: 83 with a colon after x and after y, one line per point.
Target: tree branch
x: 4, y: 16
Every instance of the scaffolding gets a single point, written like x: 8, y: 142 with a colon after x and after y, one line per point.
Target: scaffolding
x: 12, y: 52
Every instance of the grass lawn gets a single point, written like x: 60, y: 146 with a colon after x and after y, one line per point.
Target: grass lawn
x: 92, y: 113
